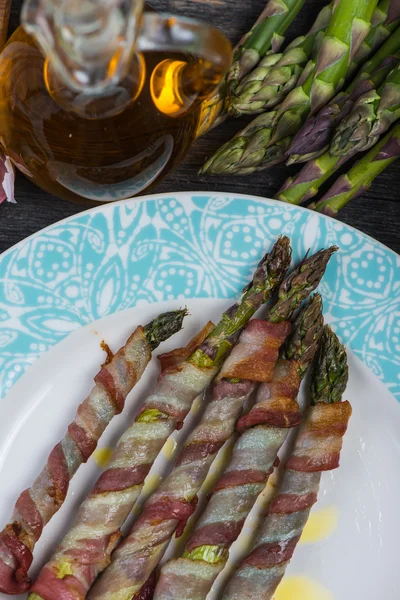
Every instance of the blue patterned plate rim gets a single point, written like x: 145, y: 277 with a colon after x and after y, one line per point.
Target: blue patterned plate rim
x: 165, y: 195
x: 187, y: 244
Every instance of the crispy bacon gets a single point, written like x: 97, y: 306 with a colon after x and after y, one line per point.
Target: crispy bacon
x: 253, y: 359
x: 174, y: 357
x: 272, y: 553
x: 51, y: 586
x: 320, y: 441
x: 116, y: 479
x: 216, y: 534
x: 290, y: 503
x: 37, y: 505
x: 234, y: 478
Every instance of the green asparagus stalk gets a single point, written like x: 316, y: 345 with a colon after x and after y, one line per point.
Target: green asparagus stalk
x: 330, y: 373
x: 277, y: 74
x: 315, y: 136
x: 305, y: 185
x: 362, y: 174
x: 372, y: 115
x: 266, y: 34
x: 348, y: 28
x: 267, y: 277
x: 305, y: 335
x: 385, y: 20
x: 265, y: 141
x: 244, y: 153
x: 297, y: 286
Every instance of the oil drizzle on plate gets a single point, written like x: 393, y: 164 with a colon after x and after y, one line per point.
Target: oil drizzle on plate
x: 102, y: 456
x: 320, y: 525
x: 298, y: 587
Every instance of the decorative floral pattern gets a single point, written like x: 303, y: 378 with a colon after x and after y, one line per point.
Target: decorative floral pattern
x: 187, y: 245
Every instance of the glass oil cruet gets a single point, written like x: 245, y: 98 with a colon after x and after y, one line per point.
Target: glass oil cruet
x: 99, y: 99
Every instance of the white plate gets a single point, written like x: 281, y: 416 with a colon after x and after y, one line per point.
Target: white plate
x: 97, y: 275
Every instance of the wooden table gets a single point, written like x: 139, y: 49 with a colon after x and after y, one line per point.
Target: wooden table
x: 377, y: 212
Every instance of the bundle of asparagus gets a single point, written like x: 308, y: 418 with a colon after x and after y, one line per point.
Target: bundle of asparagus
x: 361, y: 176
x: 86, y: 549
x: 315, y: 136
x: 264, y: 430
x: 251, y: 361
x: 291, y: 92
x: 305, y: 185
x: 265, y: 142
x: 276, y: 74
x: 317, y: 449
x: 37, y: 505
x: 266, y: 34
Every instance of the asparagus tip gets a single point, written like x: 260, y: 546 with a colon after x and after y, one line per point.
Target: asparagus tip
x: 300, y: 283
x: 330, y: 375
x: 307, y: 328
x: 163, y: 326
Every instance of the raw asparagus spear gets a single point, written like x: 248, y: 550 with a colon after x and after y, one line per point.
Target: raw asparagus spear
x: 276, y: 74
x: 385, y: 20
x: 251, y: 361
x: 86, y: 549
x: 38, y: 504
x: 265, y: 141
x: 306, y: 183
x: 317, y: 449
x: 266, y: 34
x: 264, y: 430
x: 348, y: 28
x: 245, y: 152
x: 372, y: 115
x: 361, y: 175
x: 315, y: 136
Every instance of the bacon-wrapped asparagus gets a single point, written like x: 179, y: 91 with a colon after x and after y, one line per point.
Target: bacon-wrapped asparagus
x: 251, y: 361
x: 172, y: 504
x: 39, y: 503
x: 253, y: 457
x: 317, y: 449
x: 85, y: 551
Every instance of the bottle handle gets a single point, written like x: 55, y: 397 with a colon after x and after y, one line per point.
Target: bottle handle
x: 205, y: 57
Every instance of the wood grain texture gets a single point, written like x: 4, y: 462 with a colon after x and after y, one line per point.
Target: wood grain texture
x: 377, y: 212
x: 5, y: 9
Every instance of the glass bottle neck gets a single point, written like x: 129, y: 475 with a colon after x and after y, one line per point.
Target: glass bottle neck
x: 88, y: 43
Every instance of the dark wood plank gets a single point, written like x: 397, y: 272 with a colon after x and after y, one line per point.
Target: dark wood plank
x: 377, y: 212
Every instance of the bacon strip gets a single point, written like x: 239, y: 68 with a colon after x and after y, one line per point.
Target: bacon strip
x: 38, y: 504
x: 172, y: 504
x: 317, y: 448
x: 178, y: 355
x: 252, y: 461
